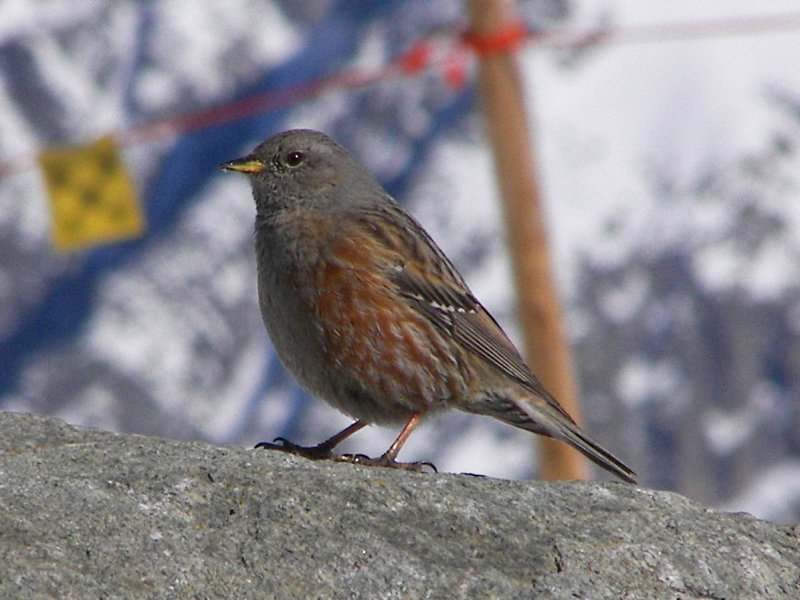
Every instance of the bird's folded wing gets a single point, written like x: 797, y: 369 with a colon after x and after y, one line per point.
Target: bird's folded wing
x: 431, y: 285
x: 458, y: 313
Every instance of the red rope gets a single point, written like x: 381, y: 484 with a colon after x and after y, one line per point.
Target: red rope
x: 504, y: 39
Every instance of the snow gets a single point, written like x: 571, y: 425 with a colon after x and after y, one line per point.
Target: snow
x: 189, y: 55
x: 677, y: 105
x: 773, y: 494
x: 641, y: 381
x: 18, y: 19
x: 620, y: 303
x: 727, y: 431
x: 731, y: 430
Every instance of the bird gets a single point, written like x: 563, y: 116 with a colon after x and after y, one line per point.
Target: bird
x: 368, y: 314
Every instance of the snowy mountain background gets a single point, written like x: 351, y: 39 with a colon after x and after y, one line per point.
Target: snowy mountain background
x: 671, y: 176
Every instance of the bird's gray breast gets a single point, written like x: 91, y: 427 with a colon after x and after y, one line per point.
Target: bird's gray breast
x: 281, y: 296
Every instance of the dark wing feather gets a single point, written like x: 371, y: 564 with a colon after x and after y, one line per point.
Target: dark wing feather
x: 458, y: 313
x: 433, y: 287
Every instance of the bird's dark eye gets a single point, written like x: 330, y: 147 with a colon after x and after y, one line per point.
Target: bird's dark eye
x: 295, y: 158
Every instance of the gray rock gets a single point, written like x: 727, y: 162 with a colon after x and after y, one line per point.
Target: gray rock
x: 89, y: 514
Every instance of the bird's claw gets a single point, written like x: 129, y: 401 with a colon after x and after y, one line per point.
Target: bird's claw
x: 384, y: 461
x: 319, y: 452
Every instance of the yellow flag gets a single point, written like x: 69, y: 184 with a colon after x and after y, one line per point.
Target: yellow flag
x: 92, y: 197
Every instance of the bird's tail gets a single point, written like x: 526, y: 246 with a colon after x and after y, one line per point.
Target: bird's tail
x: 575, y: 437
x: 543, y: 415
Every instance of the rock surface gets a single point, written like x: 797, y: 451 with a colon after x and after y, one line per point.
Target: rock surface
x: 90, y: 514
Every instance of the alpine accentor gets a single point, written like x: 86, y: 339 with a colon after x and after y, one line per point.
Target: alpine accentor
x: 369, y: 314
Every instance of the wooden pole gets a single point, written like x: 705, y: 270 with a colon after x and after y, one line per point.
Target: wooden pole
x: 501, y: 96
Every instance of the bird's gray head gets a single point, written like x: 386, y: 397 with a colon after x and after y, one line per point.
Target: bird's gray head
x: 304, y: 167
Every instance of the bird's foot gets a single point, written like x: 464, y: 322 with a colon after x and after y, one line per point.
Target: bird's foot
x: 319, y: 452
x: 323, y: 452
x: 384, y: 461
